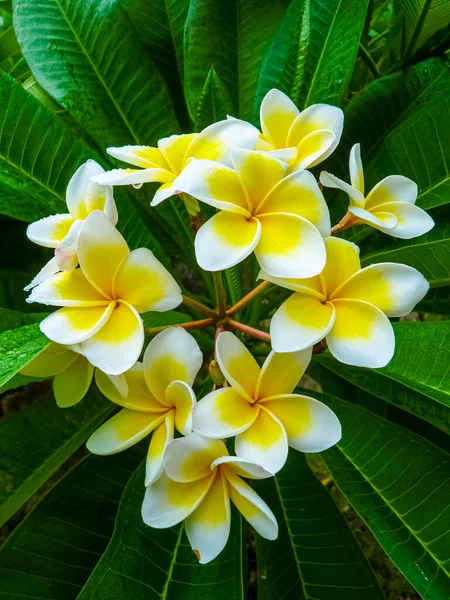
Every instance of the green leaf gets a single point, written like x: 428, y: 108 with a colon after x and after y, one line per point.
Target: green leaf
x: 314, y: 52
x: 214, y: 103
x: 160, y: 26
x: 423, y: 19
x: 398, y: 120
x: 315, y: 555
x: 417, y: 379
x: 399, y: 484
x: 17, y: 348
x: 436, y: 301
x: 171, y: 317
x: 429, y: 253
x: 144, y: 563
x: 99, y: 73
x: 232, y: 37
x: 53, y: 551
x: 420, y: 361
x: 12, y: 319
x: 35, y: 442
x: 33, y: 182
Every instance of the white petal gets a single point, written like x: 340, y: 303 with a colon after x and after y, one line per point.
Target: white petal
x: 51, y: 268
x: 394, y: 288
x: 214, y: 184
x: 310, y: 425
x: 264, y: 442
x: 290, y: 246
x: 252, y: 507
x: 300, y: 322
x: 72, y: 325
x: 172, y: 355
x: 50, y: 231
x: 191, y: 458
x: 223, y: 413
x: 181, y: 396
x: 361, y: 336
x: 167, y: 502
x: 356, y: 168
x: 133, y: 176
x: 237, y: 364
x: 161, y: 438
x: 101, y: 249
x: 380, y: 220
x: 394, y: 188
x: 118, y: 344
x: 208, y: 527
x: 226, y: 240
x: 123, y: 430
x: 243, y: 467
x: 315, y: 118
x: 66, y: 254
x: 142, y: 281
x: 331, y: 181
x: 299, y: 194
x: 281, y: 372
x: 215, y: 141
x: 277, y: 114
x: 412, y: 221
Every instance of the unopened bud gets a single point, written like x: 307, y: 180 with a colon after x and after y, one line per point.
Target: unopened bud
x: 216, y: 373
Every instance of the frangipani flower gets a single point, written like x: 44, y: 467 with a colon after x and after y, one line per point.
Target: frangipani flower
x: 200, y: 479
x: 389, y: 206
x: 164, y: 163
x: 281, y: 218
x: 61, y: 232
x: 157, y: 397
x: 102, y: 299
x: 303, y: 139
x: 72, y: 372
x: 260, y: 409
x: 347, y: 305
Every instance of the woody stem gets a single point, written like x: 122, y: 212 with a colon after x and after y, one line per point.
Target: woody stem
x: 246, y: 299
x: 209, y: 312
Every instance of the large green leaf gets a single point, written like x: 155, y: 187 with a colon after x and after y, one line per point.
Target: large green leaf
x: 399, y: 484
x: 231, y: 37
x: 87, y: 56
x: 17, y: 348
x: 37, y: 155
x: 429, y: 253
x: 436, y: 301
x: 214, y: 103
x: 315, y: 556
x: 399, y: 121
x: 416, y: 380
x: 314, y: 52
x: 35, y: 442
x: 160, y: 26
x: 53, y: 551
x: 12, y: 319
x: 144, y: 563
x: 420, y: 361
x: 423, y: 19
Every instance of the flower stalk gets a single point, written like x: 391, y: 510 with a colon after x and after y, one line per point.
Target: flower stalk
x: 248, y: 298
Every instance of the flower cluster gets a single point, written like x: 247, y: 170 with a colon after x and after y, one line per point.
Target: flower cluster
x: 266, y: 202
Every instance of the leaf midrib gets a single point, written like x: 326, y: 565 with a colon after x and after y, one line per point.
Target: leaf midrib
x: 323, y: 51
x: 97, y: 73
x: 291, y: 539
x: 397, y: 514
